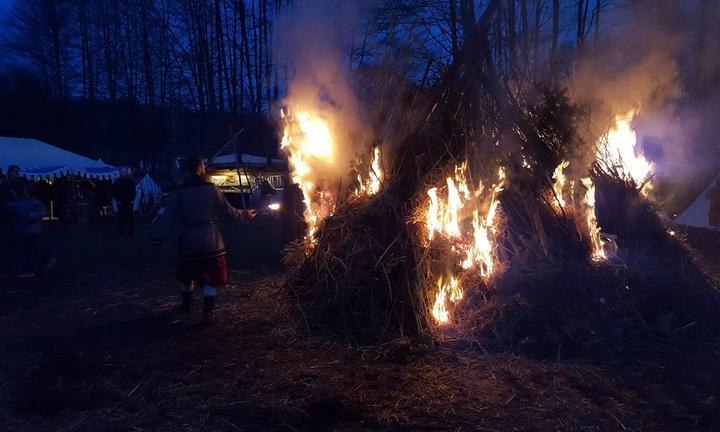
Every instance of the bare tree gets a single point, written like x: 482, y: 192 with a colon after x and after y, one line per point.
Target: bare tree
x: 555, y: 35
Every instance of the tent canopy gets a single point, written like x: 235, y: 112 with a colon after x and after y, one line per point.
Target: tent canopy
x: 248, y: 160
x: 697, y: 214
x: 38, y: 159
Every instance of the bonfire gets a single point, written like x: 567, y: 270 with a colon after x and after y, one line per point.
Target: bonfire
x: 487, y: 227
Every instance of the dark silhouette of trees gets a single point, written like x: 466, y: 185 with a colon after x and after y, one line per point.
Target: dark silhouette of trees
x: 204, y: 55
x: 218, y: 55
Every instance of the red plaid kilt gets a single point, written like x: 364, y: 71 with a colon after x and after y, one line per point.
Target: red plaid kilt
x: 204, y: 271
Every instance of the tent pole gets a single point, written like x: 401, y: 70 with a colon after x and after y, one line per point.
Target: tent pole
x: 238, y: 164
x: 224, y: 146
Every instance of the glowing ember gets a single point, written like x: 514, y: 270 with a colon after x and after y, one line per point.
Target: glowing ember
x: 620, y: 153
x: 467, y: 220
x: 310, y: 145
x: 371, y: 185
x: 525, y: 163
x: 598, y: 252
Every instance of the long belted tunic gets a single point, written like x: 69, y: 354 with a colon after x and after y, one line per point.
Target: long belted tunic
x: 195, y: 206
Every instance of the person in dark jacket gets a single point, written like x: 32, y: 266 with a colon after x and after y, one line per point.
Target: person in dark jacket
x: 195, y: 206
x: 29, y: 252
x: 123, y: 191
x: 12, y: 189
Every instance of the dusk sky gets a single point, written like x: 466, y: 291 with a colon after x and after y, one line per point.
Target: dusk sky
x: 5, y: 5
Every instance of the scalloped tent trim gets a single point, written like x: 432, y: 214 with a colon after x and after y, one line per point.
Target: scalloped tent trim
x: 39, y: 160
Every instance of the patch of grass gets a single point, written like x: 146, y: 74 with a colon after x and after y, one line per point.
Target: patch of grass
x: 97, y: 247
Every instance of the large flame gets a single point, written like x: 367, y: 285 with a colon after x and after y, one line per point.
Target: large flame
x: 370, y: 185
x: 619, y: 152
x: 467, y: 220
x: 443, y: 216
x: 309, y: 143
x: 480, y: 253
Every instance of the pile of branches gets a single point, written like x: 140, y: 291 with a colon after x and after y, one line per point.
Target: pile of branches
x: 368, y: 277
x: 648, y: 297
x: 357, y: 279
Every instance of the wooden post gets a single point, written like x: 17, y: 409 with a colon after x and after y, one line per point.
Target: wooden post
x: 238, y: 165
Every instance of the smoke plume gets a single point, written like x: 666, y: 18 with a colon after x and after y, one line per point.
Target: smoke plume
x: 310, y: 39
x: 651, y: 57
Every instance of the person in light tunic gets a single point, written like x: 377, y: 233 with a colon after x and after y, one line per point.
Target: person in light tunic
x: 713, y: 195
x: 123, y: 191
x: 195, y: 206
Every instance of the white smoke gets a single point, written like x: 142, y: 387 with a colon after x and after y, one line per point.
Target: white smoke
x: 310, y: 40
x: 648, y: 60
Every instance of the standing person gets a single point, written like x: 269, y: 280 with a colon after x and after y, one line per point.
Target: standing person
x: 196, y: 205
x: 713, y: 195
x: 28, y: 245
x: 123, y: 191
x: 4, y: 231
x: 13, y: 187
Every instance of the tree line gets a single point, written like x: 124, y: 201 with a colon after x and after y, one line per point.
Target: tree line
x: 220, y: 55
x: 206, y: 55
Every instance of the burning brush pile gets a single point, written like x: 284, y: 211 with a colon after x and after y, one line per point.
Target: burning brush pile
x: 491, y: 222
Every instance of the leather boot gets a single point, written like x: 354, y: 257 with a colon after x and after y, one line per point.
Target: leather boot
x: 208, y: 306
x: 186, y: 304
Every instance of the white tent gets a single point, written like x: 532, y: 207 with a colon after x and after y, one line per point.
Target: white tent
x: 248, y: 160
x: 40, y: 160
x: 697, y: 214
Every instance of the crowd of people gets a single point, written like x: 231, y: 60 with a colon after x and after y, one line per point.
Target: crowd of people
x: 194, y: 206
x: 24, y: 249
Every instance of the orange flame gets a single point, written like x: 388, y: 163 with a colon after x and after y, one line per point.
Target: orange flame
x: 446, y: 291
x: 480, y: 253
x: 309, y: 142
x: 559, y: 185
x: 598, y: 250
x: 619, y: 152
x: 371, y: 185
x: 585, y: 208
x: 448, y: 216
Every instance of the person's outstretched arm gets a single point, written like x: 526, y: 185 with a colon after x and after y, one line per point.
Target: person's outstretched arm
x: 226, y: 209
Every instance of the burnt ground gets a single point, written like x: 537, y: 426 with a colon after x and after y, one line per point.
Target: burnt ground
x: 96, y: 345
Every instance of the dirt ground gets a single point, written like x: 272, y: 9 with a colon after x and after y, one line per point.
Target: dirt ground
x: 97, y: 345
